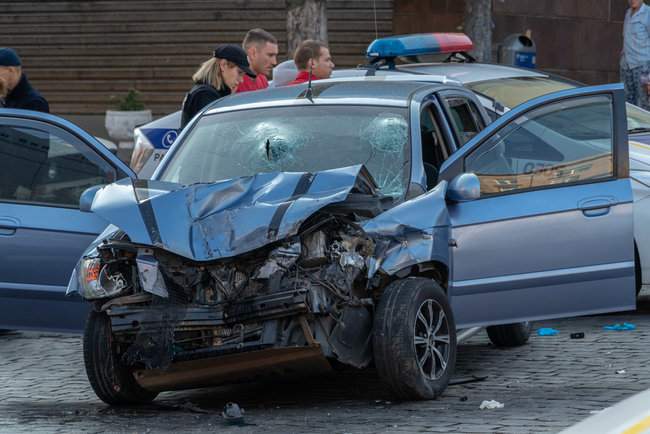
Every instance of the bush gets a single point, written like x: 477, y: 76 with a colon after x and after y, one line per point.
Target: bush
x: 131, y: 102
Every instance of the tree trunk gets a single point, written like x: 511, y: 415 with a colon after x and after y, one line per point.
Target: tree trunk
x: 478, y: 26
x: 306, y: 19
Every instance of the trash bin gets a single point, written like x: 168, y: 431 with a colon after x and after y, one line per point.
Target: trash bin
x: 518, y: 50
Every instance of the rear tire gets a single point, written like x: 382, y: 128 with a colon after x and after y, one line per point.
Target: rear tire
x: 113, y: 383
x: 414, y: 339
x: 509, y: 335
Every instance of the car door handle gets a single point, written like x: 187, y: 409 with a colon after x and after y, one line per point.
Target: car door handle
x: 8, y: 226
x: 596, y: 206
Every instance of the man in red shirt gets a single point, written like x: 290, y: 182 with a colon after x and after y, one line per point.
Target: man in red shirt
x: 262, y: 50
x: 315, y: 56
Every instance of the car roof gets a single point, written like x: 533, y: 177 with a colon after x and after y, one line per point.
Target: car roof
x: 470, y: 72
x: 347, y: 91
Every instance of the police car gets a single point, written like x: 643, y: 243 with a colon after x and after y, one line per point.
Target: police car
x: 152, y: 141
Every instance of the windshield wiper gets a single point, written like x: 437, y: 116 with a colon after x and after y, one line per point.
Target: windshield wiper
x: 638, y: 130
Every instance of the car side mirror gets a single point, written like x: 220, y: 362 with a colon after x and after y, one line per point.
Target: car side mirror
x: 87, y: 197
x: 464, y: 187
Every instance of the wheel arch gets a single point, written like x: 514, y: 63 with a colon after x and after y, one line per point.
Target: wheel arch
x: 436, y: 270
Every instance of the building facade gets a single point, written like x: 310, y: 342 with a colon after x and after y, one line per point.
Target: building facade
x: 80, y: 54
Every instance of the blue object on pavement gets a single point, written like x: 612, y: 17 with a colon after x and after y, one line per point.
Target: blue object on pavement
x: 620, y: 327
x: 547, y: 332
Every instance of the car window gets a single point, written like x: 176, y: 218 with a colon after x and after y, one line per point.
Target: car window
x: 296, y: 139
x: 434, y: 149
x: 465, y: 118
x: 637, y: 119
x: 513, y: 91
x: 564, y: 142
x: 43, y: 165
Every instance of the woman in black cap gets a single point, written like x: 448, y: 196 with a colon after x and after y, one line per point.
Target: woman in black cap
x: 216, y: 78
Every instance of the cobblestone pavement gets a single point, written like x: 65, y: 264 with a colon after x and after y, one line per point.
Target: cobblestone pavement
x: 549, y: 384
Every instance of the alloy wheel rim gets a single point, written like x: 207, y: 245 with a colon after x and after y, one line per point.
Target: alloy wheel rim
x: 431, y: 339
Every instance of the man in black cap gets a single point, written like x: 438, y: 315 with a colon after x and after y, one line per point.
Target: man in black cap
x: 19, y: 93
x: 216, y: 77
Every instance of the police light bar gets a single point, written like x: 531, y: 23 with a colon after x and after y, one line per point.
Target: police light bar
x: 414, y: 45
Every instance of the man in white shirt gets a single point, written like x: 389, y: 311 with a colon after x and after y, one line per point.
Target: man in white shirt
x: 635, y: 59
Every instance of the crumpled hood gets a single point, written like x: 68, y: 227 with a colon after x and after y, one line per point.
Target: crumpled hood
x: 205, y: 222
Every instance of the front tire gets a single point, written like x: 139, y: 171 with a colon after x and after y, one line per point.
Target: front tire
x: 414, y: 340
x: 510, y: 335
x: 113, y: 383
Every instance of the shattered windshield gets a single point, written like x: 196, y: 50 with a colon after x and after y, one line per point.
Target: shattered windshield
x: 296, y: 139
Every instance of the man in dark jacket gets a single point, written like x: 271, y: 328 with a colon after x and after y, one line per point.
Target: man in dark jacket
x: 18, y: 93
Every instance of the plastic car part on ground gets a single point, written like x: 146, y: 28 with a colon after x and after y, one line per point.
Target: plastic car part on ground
x: 466, y: 380
x: 233, y: 414
x: 620, y: 327
x: 491, y: 404
x: 545, y: 331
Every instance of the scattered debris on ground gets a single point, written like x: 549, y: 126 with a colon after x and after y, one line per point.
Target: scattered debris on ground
x: 547, y: 331
x: 620, y: 327
x: 466, y: 380
x: 491, y: 404
x: 598, y: 411
x: 233, y: 414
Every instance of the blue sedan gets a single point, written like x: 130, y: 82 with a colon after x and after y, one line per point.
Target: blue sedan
x: 348, y: 222
x: 45, y: 165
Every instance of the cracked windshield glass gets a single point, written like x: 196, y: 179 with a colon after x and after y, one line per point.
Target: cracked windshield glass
x: 296, y: 139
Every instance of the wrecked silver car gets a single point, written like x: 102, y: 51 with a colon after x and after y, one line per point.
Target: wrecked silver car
x: 299, y: 228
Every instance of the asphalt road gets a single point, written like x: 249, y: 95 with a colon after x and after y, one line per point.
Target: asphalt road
x: 545, y: 386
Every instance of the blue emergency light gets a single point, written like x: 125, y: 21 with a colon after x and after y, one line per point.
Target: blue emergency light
x: 413, y: 45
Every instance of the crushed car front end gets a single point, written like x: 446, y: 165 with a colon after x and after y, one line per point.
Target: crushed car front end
x: 294, y: 290
x: 303, y: 294
x: 282, y: 265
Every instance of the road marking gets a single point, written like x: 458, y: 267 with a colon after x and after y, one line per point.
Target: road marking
x: 640, y: 427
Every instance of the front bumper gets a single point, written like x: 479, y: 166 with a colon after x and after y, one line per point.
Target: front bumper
x: 246, y: 325
x: 306, y: 360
